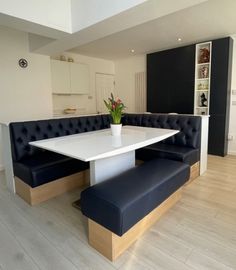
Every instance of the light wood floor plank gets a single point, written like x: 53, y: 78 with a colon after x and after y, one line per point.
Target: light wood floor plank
x: 198, y: 233
x: 38, y: 247
x: 168, y: 245
x: 199, y: 261
x: 12, y: 254
x: 156, y: 258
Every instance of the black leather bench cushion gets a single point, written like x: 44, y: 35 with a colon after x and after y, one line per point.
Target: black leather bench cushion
x: 174, y: 152
x: 45, y: 167
x: 119, y: 203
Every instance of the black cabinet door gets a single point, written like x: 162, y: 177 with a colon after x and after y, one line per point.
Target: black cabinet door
x: 170, y: 80
x: 221, y: 65
x: 217, y: 143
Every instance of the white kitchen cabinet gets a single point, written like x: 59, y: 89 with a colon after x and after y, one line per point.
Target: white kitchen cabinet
x: 69, y: 78
x: 79, y: 78
x: 60, y: 77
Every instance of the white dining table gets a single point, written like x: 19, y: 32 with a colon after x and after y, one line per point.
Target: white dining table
x: 108, y: 155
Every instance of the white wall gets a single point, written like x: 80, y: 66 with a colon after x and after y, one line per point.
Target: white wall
x: 232, y: 123
x: 85, y: 104
x: 24, y: 93
x: 125, y: 70
x: 53, y: 13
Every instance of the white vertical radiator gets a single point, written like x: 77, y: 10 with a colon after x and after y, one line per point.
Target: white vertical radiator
x: 140, y: 92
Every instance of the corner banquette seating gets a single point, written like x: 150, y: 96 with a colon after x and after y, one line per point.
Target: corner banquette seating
x: 123, y: 207
x: 41, y: 174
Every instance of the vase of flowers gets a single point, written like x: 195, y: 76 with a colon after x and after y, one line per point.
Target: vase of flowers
x: 116, y: 109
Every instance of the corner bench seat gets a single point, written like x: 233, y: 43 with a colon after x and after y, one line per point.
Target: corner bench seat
x: 119, y: 203
x: 35, y: 166
x: 174, y: 152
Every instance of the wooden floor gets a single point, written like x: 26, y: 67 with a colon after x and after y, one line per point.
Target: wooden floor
x: 198, y: 233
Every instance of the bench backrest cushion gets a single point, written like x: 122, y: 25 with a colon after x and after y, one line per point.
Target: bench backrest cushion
x: 132, y: 119
x: 189, y: 127
x: 24, y: 132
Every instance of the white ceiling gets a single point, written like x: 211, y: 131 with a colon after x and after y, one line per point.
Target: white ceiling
x: 209, y: 20
x: 148, y: 10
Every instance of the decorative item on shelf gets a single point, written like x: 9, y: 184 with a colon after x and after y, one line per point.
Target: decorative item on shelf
x: 70, y: 59
x: 69, y: 111
x: 203, y: 72
x: 202, y: 86
x: 204, y: 55
x: 203, y: 100
x: 116, y: 109
x: 205, y: 86
x: 62, y: 58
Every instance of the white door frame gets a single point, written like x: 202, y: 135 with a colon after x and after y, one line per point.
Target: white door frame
x: 96, y: 94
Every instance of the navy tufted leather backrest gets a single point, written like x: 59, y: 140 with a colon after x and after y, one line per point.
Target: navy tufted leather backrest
x: 132, y: 119
x: 189, y: 127
x: 106, y: 118
x: 24, y: 132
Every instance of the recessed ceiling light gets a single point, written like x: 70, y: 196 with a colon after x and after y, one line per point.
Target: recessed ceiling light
x: 179, y: 39
x: 132, y: 50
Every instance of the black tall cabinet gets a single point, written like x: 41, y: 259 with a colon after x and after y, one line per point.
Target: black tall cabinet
x: 221, y: 69
x: 170, y: 80
x: 170, y: 87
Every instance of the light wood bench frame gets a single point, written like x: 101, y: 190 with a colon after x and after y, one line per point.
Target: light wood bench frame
x: 111, y: 245
x: 50, y: 190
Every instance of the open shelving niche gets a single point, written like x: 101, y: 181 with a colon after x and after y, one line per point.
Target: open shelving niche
x: 202, y: 78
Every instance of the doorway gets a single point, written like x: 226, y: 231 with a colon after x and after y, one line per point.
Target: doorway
x: 105, y: 85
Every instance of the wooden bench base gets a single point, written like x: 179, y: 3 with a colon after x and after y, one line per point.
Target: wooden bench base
x: 194, y: 172
x: 50, y: 190
x: 111, y: 245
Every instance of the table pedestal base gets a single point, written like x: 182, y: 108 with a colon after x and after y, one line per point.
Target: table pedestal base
x: 103, y: 169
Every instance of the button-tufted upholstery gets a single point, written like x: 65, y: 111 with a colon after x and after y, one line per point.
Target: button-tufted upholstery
x: 132, y: 119
x: 189, y: 127
x: 24, y: 132
x: 184, y: 146
x: 36, y: 166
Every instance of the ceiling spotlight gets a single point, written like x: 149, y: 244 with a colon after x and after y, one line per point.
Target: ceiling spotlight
x: 179, y: 39
x: 132, y: 50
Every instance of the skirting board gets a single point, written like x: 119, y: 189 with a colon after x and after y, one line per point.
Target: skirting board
x: 111, y: 245
x: 50, y: 190
x: 233, y: 153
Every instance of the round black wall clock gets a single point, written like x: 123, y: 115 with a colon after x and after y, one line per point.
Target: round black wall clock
x: 23, y: 63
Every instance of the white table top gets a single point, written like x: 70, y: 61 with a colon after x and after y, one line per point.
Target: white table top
x: 100, y: 144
